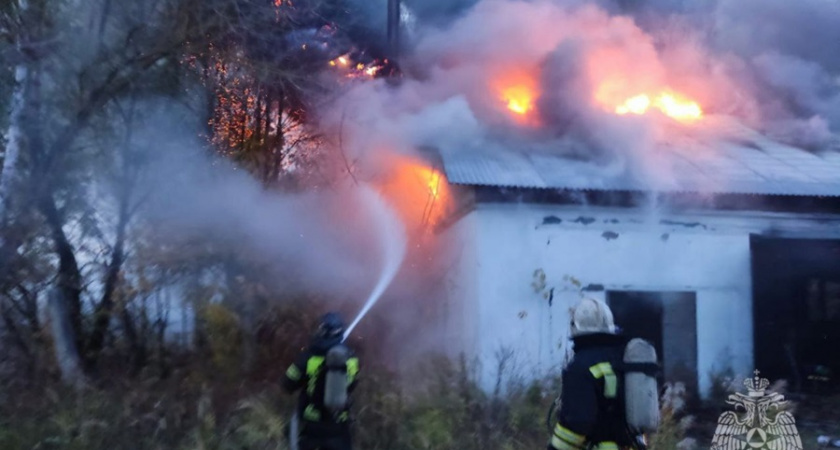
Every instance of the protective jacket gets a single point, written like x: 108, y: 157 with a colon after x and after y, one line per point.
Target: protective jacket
x: 591, y: 414
x: 307, y: 374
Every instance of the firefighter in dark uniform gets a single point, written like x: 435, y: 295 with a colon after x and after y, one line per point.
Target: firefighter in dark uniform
x: 321, y: 429
x: 591, y: 414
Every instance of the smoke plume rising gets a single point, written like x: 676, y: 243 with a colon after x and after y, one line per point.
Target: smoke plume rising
x: 564, y: 68
x: 324, y: 241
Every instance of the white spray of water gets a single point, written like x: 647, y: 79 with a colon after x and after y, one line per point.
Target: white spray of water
x: 393, y: 240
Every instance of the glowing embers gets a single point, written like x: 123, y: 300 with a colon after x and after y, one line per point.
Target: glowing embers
x: 341, y: 61
x: 669, y: 103
x: 353, y: 69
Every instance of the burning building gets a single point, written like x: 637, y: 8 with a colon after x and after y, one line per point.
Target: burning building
x: 718, y: 275
x: 586, y: 154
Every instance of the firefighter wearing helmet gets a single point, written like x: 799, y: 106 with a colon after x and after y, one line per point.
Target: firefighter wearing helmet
x: 593, y: 413
x: 326, y: 373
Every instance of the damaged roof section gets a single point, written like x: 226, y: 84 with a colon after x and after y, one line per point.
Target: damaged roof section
x: 725, y: 157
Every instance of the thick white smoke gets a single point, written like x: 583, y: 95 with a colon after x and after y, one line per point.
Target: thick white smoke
x: 578, y: 60
x: 323, y: 241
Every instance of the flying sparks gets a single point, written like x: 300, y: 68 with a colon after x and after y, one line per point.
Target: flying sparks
x: 352, y: 69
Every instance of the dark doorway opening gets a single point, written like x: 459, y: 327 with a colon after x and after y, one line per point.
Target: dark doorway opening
x: 668, y: 320
x: 796, y: 304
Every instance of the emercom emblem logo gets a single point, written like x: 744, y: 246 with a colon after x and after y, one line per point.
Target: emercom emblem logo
x: 758, y: 422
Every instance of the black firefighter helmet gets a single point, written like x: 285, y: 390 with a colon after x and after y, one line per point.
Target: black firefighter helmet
x: 331, y: 325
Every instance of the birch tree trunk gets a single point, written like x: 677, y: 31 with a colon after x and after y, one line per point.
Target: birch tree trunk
x: 66, y: 351
x: 15, y: 140
x: 16, y: 117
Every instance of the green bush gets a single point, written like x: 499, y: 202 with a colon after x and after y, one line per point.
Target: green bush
x: 441, y: 407
x: 437, y: 405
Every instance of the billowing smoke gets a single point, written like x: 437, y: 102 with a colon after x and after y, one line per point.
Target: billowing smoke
x: 551, y: 76
x: 802, y: 30
x: 791, y: 74
x: 436, y: 12
x: 326, y: 241
x: 341, y: 242
x: 544, y: 59
x: 788, y: 45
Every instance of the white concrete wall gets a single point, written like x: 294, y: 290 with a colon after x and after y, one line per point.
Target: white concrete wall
x: 709, y: 254
x: 459, y: 334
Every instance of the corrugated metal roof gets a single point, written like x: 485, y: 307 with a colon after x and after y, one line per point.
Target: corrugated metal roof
x: 723, y: 157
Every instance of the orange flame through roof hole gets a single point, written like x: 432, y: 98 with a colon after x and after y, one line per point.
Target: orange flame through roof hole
x: 519, y: 98
x: 519, y: 94
x: 671, y: 104
x: 518, y: 91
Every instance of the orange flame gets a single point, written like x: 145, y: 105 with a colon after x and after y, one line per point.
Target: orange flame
x: 433, y: 182
x: 519, y: 99
x: 636, y: 105
x: 669, y: 103
x: 420, y: 192
x: 342, y: 61
x: 518, y: 92
x: 353, y: 69
x: 677, y: 108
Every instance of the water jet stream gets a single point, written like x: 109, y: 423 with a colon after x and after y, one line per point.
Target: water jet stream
x: 391, y: 228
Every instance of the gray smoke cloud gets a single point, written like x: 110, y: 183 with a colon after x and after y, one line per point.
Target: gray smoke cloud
x: 325, y: 241
x: 579, y: 60
x: 461, y: 78
x: 426, y: 12
x: 438, y: 11
x: 804, y: 30
x: 786, y: 55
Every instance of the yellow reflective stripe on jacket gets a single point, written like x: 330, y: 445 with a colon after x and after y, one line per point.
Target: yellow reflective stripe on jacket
x: 352, y: 369
x: 565, y: 438
x: 311, y: 414
x: 560, y: 444
x: 569, y: 435
x: 604, y: 370
x: 293, y: 373
x: 313, y: 366
x: 606, y: 446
